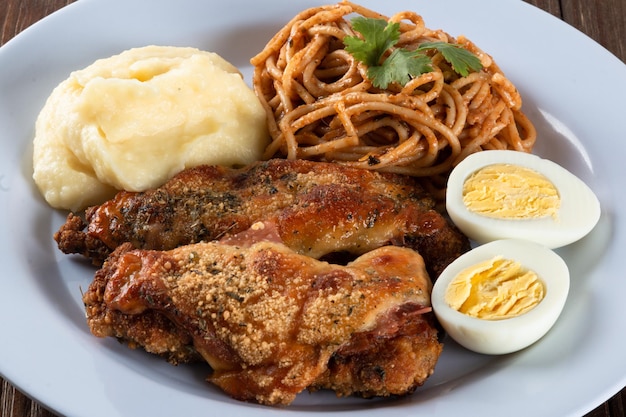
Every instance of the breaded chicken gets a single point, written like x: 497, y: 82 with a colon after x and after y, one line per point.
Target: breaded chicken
x: 272, y: 323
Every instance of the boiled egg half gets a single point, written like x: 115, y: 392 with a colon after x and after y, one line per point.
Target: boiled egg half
x: 504, y: 194
x: 502, y: 296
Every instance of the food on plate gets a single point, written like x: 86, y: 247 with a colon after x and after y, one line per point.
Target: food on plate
x: 304, y: 260
x: 272, y: 323
x: 384, y: 93
x: 520, y: 195
x: 133, y: 120
x: 509, y: 330
x: 317, y: 208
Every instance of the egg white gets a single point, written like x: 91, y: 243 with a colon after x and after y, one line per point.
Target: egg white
x: 577, y: 216
x: 497, y: 337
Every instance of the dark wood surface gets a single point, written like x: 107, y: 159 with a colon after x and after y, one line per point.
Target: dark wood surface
x: 604, y: 21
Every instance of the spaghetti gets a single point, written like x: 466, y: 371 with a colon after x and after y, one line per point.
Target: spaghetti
x: 322, y: 106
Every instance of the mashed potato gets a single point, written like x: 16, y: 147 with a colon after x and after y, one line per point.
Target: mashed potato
x: 132, y: 121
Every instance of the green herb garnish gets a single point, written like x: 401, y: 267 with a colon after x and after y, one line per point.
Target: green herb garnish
x: 402, y: 64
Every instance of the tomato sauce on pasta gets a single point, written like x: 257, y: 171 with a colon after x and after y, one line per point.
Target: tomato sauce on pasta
x: 322, y: 106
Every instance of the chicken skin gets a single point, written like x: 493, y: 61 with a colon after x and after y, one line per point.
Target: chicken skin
x: 317, y: 208
x: 271, y: 322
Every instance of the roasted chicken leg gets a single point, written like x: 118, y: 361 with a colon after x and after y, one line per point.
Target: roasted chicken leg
x: 318, y: 209
x: 272, y: 322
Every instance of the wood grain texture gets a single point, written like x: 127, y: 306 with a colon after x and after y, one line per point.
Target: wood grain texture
x: 551, y: 6
x: 604, y: 21
x: 17, y: 15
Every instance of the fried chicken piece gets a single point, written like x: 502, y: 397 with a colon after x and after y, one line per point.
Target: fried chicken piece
x: 318, y: 208
x: 272, y: 323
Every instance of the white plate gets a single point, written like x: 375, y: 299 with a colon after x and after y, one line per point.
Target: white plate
x: 573, y: 91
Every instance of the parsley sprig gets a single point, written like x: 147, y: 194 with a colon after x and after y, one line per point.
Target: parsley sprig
x: 379, y: 36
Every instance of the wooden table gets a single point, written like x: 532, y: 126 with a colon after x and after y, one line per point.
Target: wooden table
x: 604, y: 21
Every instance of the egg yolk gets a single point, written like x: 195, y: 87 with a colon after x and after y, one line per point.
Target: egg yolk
x: 495, y: 289
x: 508, y: 191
